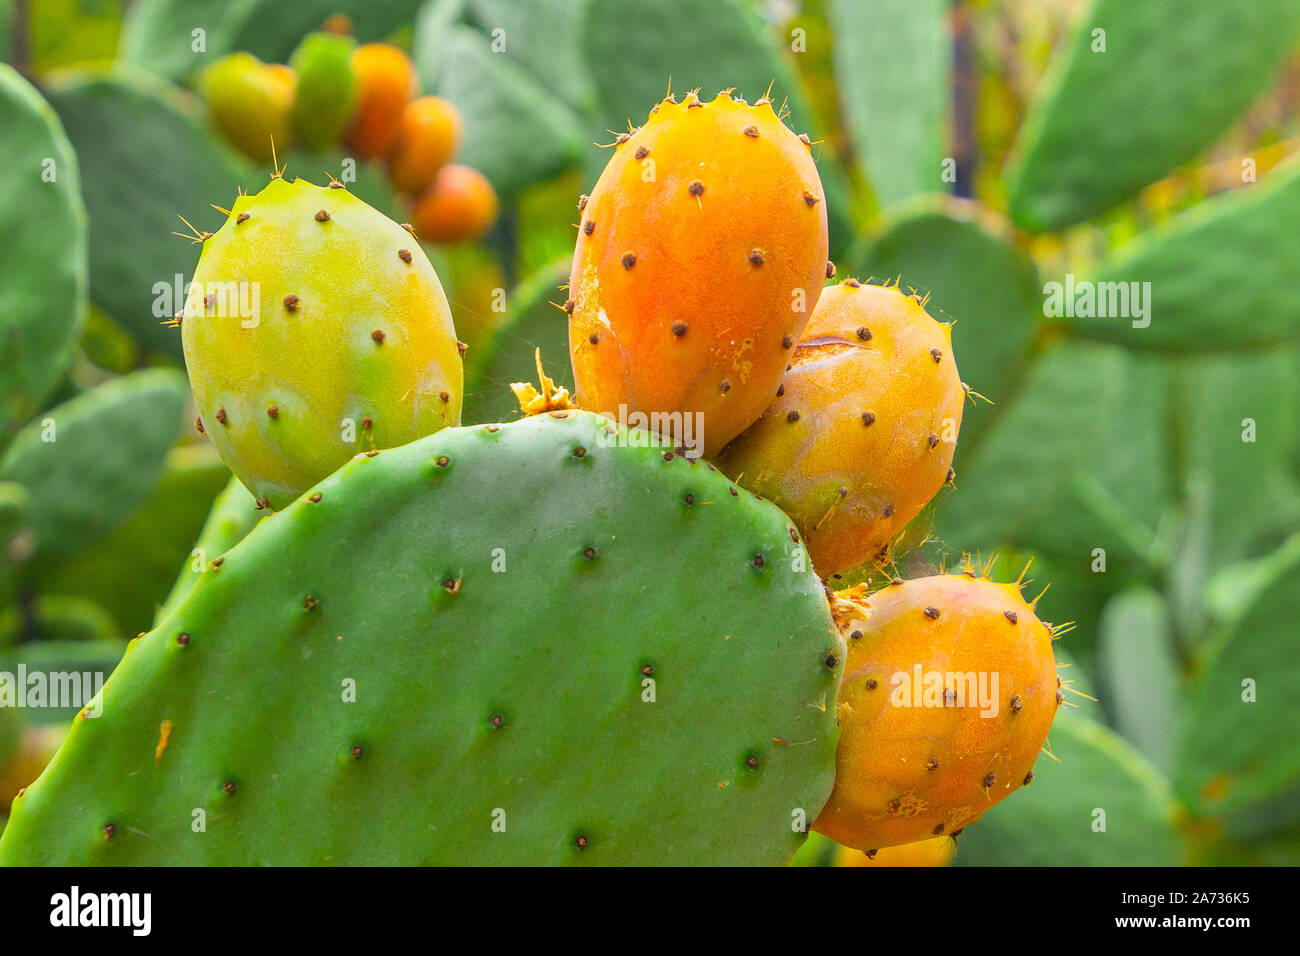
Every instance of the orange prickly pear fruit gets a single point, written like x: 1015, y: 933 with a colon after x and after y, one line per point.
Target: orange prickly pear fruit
x: 862, y: 433
x: 428, y: 137
x: 460, y: 205
x: 948, y: 691
x: 701, y: 253
x: 386, y: 82
x: 936, y: 851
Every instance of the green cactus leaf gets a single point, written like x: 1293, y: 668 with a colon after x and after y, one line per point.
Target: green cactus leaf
x: 892, y: 69
x: 535, y: 320
x: 974, y: 279
x: 1186, y: 68
x: 1141, y: 672
x: 234, y: 513
x: 129, y: 572
x: 1244, y: 694
x: 514, y: 132
x: 633, y: 50
x: 1055, y: 821
x: 76, y: 665
x: 152, y: 160
x: 43, y: 233
x: 403, y: 696
x: 1246, y: 430
x: 1218, y: 275
x: 162, y: 35
x: 58, y: 618
x: 16, y: 543
x: 543, y: 37
x: 159, y: 35
x: 1075, y: 462
x: 89, y: 463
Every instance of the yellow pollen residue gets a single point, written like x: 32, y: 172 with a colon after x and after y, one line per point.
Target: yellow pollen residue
x: 741, y: 365
x: 164, y: 735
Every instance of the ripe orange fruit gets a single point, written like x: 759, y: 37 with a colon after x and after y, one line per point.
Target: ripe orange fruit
x: 386, y: 82
x: 427, y: 139
x: 461, y: 204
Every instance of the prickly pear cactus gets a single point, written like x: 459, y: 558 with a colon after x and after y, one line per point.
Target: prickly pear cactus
x: 368, y: 679
x: 700, y: 255
x: 863, y: 433
x: 315, y: 328
x: 326, y: 92
x: 949, y: 690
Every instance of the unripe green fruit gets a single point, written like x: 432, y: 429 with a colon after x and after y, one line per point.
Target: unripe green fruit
x: 315, y: 330
x: 327, y: 89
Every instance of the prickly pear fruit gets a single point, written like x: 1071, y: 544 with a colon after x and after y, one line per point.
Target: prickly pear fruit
x: 460, y: 205
x: 701, y: 253
x: 936, y: 851
x: 315, y: 329
x: 326, y: 97
x: 386, y: 82
x: 427, y: 140
x: 862, y: 434
x: 250, y: 101
x: 948, y: 691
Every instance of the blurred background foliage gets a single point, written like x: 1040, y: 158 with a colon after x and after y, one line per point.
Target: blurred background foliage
x: 974, y: 150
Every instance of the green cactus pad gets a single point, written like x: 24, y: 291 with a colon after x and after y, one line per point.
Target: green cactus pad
x: 1186, y: 68
x: 892, y: 67
x: 515, y: 133
x: 159, y: 34
x: 234, y: 513
x: 1219, y: 275
x: 89, y: 462
x: 1073, y: 461
x: 43, y: 233
x: 152, y: 159
x: 1054, y: 821
x: 1137, y: 657
x: 471, y: 591
x: 543, y: 37
x: 129, y: 572
x: 1244, y: 693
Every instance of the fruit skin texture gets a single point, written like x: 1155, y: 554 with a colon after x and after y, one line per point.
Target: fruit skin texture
x: 326, y: 96
x: 459, y: 206
x: 351, y: 347
x: 864, y: 433
x: 700, y: 255
x: 250, y: 101
x: 428, y: 139
x: 905, y: 773
x: 936, y: 851
x: 386, y: 83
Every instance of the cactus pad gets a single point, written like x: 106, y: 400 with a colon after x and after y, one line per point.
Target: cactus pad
x: 434, y: 657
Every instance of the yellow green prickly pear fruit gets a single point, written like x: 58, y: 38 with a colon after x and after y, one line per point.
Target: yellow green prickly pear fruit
x: 862, y: 433
x: 250, y: 101
x: 315, y: 329
x: 948, y: 692
x: 327, y: 89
